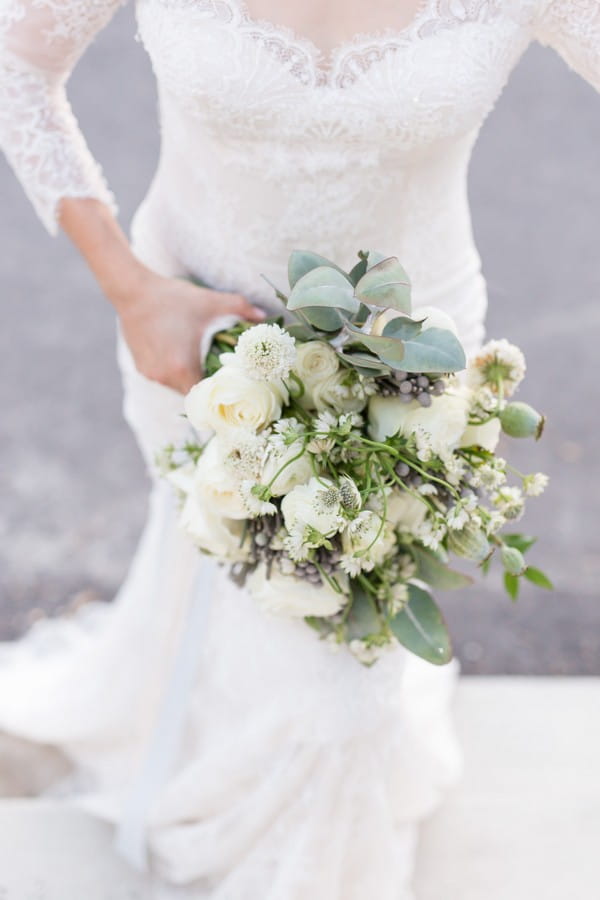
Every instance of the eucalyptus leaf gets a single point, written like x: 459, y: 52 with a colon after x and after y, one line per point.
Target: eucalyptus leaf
x: 365, y: 360
x: 363, y: 619
x: 389, y: 350
x: 301, y: 331
x: 374, y: 257
x: 437, y: 574
x: 324, y: 318
x: 434, y: 350
x: 357, y: 272
x: 403, y: 327
x: 386, y: 285
x: 420, y: 628
x: 302, y: 261
x: 324, y: 287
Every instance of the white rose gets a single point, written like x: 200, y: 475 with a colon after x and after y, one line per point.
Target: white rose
x: 316, y: 504
x: 445, y: 420
x: 215, y: 487
x: 486, y: 436
x: 218, y: 536
x: 228, y: 399
x: 405, y: 511
x: 434, y: 318
x: 315, y: 360
x: 290, y: 596
x: 297, y: 472
x: 365, y: 535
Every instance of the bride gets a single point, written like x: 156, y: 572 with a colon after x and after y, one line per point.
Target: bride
x: 237, y: 756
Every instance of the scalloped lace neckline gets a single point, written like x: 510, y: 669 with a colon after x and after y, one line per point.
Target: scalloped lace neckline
x: 338, y: 66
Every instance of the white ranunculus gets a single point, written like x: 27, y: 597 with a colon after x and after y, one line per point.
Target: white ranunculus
x: 316, y: 504
x: 434, y: 318
x: 486, y: 436
x: 287, y: 595
x: 295, y: 472
x: 228, y: 399
x: 215, y: 487
x: 405, y: 511
x: 445, y: 420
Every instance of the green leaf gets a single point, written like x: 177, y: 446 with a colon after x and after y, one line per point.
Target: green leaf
x: 520, y: 542
x: 434, y: 350
x: 324, y: 287
x: 512, y: 585
x: 302, y: 261
x: 437, y: 574
x: 403, y: 328
x: 324, y: 318
x: 386, y: 285
x: 357, y: 272
x: 363, y: 619
x: 420, y: 628
x: 537, y: 577
x: 365, y: 361
x: 389, y: 350
x: 301, y: 332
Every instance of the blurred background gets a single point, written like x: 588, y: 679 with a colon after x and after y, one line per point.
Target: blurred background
x: 72, y: 486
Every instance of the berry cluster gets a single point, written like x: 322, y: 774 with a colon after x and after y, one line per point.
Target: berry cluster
x: 408, y: 386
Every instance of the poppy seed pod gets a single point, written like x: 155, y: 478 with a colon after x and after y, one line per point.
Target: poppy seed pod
x: 519, y: 420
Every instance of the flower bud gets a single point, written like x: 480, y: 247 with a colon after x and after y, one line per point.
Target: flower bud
x: 519, y: 420
x: 513, y: 560
x: 470, y: 543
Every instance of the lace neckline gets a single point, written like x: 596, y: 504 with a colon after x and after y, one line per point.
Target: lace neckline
x: 340, y: 65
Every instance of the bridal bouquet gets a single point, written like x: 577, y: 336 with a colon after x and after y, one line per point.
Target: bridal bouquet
x: 348, y: 460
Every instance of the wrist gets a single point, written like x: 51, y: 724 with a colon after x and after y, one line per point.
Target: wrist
x: 127, y: 284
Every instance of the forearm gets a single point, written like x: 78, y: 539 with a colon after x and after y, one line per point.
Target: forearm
x: 93, y: 229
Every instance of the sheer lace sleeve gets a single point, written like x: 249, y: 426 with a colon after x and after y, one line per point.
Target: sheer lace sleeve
x: 572, y: 27
x: 40, y: 43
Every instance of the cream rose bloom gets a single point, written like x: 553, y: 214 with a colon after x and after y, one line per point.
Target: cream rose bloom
x: 315, y: 504
x: 210, y: 532
x: 334, y: 393
x: 228, y: 399
x: 214, y: 486
x: 405, y: 511
x: 297, y: 472
x: 486, y: 436
x: 287, y: 595
x: 445, y: 420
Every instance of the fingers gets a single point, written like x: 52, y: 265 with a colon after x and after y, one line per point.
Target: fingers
x: 239, y: 306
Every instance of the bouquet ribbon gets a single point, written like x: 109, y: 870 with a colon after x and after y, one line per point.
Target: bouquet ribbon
x: 161, y: 755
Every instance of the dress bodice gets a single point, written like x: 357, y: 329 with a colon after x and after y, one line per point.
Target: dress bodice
x: 267, y: 145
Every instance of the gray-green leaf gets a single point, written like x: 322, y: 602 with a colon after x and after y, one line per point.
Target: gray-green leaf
x: 436, y: 573
x: 434, y: 350
x: 302, y: 261
x: 324, y: 287
x: 386, y: 285
x: 420, y: 628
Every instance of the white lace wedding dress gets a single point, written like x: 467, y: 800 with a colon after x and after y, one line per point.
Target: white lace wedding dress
x: 296, y: 774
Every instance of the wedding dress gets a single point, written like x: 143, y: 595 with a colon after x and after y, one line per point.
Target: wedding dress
x: 296, y: 774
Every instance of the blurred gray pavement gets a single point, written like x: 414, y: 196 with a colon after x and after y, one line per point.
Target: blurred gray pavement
x: 72, y: 488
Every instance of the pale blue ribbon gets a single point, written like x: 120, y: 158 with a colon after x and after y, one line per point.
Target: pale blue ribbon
x: 130, y: 841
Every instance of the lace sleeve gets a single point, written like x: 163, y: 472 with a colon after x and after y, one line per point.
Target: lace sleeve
x: 572, y: 27
x: 40, y: 43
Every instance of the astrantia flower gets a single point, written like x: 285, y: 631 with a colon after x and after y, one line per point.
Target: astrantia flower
x: 266, y: 352
x: 432, y: 532
x: 490, y: 475
x: 497, y: 361
x: 534, y: 485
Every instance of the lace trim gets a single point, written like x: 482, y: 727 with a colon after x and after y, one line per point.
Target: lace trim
x: 352, y: 58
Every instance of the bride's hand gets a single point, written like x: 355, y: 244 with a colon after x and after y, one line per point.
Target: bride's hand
x: 163, y: 323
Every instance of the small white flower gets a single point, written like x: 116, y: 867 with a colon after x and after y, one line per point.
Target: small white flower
x: 266, y: 353
x: 244, y: 453
x: 427, y: 489
x: 254, y: 505
x: 534, y: 485
x: 490, y: 476
x: 432, y: 532
x: 497, y: 360
x: 509, y: 501
x: 495, y: 523
x: 368, y: 653
x: 316, y: 504
x: 398, y: 598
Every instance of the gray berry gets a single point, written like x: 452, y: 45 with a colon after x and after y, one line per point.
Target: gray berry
x: 424, y: 399
x: 438, y: 388
x: 406, y: 387
x: 401, y: 469
x: 423, y: 381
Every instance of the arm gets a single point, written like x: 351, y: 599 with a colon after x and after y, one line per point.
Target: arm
x: 163, y: 319
x: 572, y: 28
